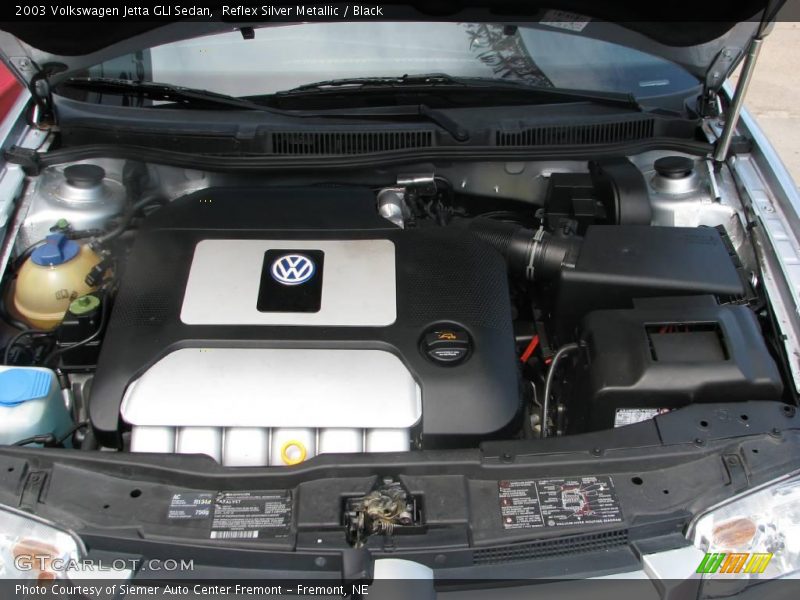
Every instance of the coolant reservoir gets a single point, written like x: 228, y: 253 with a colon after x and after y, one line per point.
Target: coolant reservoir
x: 51, y: 278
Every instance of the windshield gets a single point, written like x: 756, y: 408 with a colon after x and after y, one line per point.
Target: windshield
x: 282, y: 57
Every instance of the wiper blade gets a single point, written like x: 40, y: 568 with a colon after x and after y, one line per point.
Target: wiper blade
x: 433, y: 81
x: 366, y: 82
x: 163, y: 91
x: 173, y: 93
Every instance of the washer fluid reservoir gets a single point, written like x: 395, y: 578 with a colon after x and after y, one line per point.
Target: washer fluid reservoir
x: 52, y: 277
x: 31, y: 404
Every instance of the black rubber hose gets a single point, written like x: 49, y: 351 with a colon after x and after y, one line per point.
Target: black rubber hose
x: 531, y: 254
x: 127, y: 218
x: 16, y: 339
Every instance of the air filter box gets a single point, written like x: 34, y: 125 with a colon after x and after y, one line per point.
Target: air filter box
x: 665, y: 353
x: 619, y: 263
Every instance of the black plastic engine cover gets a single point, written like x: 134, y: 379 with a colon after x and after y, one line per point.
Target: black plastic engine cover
x: 443, y: 277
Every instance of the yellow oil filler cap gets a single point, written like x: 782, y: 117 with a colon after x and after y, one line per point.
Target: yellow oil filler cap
x: 51, y: 278
x: 293, y: 452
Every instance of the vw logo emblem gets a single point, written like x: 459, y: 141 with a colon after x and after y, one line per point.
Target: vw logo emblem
x: 292, y: 269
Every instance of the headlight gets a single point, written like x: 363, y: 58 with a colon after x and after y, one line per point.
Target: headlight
x: 32, y: 548
x: 753, y: 536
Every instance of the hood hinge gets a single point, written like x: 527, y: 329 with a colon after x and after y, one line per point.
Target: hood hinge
x: 44, y: 115
x: 716, y: 76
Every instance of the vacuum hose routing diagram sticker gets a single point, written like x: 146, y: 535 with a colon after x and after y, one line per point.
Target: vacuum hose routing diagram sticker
x: 531, y: 503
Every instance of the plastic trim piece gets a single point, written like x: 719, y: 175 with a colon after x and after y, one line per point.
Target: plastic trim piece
x: 250, y: 163
x: 275, y: 387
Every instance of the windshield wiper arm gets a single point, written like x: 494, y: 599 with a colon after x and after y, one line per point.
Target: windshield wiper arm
x: 163, y: 91
x: 440, y: 81
x: 173, y: 93
x: 442, y: 120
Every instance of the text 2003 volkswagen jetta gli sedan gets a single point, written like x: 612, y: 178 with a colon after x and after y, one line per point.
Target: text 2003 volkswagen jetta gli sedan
x: 476, y: 301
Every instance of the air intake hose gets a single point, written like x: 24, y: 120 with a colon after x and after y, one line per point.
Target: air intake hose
x: 535, y: 255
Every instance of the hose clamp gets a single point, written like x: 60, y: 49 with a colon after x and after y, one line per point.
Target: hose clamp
x: 536, y: 244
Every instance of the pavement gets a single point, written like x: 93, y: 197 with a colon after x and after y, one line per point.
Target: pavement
x: 774, y: 95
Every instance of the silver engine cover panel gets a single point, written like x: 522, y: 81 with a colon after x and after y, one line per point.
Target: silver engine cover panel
x: 241, y: 406
x: 358, y: 288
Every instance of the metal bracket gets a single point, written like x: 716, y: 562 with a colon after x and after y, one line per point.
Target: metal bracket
x: 715, y: 78
x: 712, y: 180
x: 422, y: 184
x: 721, y: 67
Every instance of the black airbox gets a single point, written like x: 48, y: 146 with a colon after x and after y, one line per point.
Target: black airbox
x: 619, y: 263
x: 666, y: 353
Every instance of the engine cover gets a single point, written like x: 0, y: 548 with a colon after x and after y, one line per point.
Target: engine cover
x: 301, y: 310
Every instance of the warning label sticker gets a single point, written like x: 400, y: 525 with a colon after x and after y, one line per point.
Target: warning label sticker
x: 630, y: 416
x: 192, y: 505
x: 565, y: 20
x: 519, y: 504
x: 251, y: 515
x: 530, y: 503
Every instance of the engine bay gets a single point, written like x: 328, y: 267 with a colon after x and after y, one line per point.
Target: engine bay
x: 157, y: 309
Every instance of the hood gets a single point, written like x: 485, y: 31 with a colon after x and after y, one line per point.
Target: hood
x: 703, y: 37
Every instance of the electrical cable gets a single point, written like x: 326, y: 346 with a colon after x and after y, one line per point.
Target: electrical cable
x: 548, y: 386
x: 15, y: 340
x: 71, y: 432
x: 49, y: 439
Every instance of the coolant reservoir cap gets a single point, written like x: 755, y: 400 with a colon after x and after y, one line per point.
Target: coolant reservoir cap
x: 56, y: 250
x: 20, y: 385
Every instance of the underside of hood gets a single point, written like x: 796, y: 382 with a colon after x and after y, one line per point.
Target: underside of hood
x: 689, y: 33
